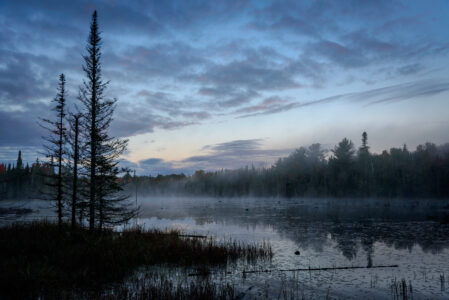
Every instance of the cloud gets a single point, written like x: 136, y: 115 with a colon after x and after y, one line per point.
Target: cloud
x: 228, y: 155
x: 235, y: 154
x: 176, y: 63
x: 151, y: 161
x: 338, y: 53
x: 200, y: 115
x: 353, y: 34
x: 238, y: 82
x: 410, y: 69
x: 239, y: 146
x: 114, y: 15
x: 145, y: 63
x: 139, y: 122
x: 167, y: 103
x: 24, y: 77
x: 401, y: 92
x: 285, y: 23
x: 19, y: 129
x: 268, y: 104
x: 182, y: 14
x: 222, y: 96
x: 157, y: 110
x: 393, y: 93
x: 247, y: 74
x: 358, y: 50
x: 315, y: 18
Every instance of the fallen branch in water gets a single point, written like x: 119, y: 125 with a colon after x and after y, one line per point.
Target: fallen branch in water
x: 303, y: 269
x: 322, y: 269
x: 193, y: 236
x: 168, y: 233
x: 205, y: 273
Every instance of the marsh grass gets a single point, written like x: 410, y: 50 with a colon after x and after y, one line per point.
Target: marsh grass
x: 38, y: 259
x: 159, y: 286
x: 153, y: 285
x: 401, y: 290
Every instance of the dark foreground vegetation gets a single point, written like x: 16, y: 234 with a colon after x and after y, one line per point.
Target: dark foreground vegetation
x: 156, y: 286
x: 40, y: 260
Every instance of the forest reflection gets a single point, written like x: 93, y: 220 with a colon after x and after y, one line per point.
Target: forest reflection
x: 311, y: 223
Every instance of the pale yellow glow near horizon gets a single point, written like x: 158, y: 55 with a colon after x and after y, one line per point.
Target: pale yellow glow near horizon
x: 301, y: 127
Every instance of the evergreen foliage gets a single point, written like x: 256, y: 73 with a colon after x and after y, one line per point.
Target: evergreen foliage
x: 82, y: 169
x: 315, y: 172
x: 307, y: 172
x: 106, y: 204
x: 54, y: 146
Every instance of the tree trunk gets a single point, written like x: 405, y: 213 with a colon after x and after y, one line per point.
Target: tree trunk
x: 75, y: 173
x: 93, y: 141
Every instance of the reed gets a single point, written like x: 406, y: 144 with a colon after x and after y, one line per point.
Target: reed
x: 38, y: 258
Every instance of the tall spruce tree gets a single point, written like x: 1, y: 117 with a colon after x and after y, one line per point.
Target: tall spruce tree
x: 364, y: 163
x: 102, y: 151
x: 19, y: 163
x: 55, y: 144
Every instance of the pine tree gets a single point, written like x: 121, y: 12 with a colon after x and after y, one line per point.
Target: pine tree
x: 18, y: 177
x: 364, y: 147
x: 344, y: 151
x: 19, y: 163
x: 55, y: 144
x: 341, y: 168
x: 102, y: 151
x: 364, y: 161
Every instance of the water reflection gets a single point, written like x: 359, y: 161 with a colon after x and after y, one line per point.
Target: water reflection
x: 310, y: 223
x: 412, y: 234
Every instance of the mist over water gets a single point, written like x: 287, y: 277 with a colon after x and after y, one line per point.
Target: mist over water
x: 327, y: 233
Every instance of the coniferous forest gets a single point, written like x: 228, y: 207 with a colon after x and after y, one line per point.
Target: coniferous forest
x: 344, y: 171
x: 22, y: 182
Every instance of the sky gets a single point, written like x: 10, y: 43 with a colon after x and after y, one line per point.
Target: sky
x: 223, y: 84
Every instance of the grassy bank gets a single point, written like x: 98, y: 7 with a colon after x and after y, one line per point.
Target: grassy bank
x: 38, y: 259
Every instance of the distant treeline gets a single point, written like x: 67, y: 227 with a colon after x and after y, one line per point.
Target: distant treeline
x: 19, y: 181
x: 309, y: 171
x: 314, y: 172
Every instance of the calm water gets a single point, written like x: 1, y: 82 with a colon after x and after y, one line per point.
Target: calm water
x: 412, y: 234
x: 327, y: 233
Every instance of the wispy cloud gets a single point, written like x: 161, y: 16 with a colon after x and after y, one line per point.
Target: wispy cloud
x: 393, y: 93
x: 235, y: 154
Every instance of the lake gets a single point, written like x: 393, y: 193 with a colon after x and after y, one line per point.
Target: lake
x: 413, y: 234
